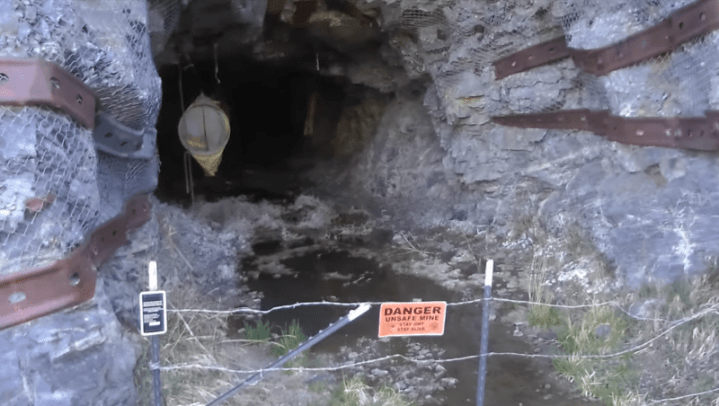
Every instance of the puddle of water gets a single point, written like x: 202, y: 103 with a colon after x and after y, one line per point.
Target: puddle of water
x: 337, y: 275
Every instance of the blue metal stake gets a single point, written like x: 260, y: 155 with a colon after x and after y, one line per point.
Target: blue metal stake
x: 155, y: 356
x: 307, y: 344
x: 484, y: 339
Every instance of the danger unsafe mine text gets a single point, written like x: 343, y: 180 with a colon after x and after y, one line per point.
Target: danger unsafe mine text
x: 410, y: 314
x: 415, y: 318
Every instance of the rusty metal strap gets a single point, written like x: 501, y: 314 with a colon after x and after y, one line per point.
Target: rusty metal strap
x: 695, y: 133
x: 38, y: 82
x: 683, y: 25
x: 35, y: 81
x: 68, y: 282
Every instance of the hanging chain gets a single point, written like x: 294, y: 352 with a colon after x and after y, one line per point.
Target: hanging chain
x: 217, y: 69
x: 189, y: 182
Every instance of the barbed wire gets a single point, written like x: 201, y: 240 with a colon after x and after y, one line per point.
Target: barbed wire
x: 685, y: 320
x: 674, y: 324
x: 462, y: 303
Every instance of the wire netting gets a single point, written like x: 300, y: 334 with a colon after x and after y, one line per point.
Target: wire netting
x: 457, y: 41
x: 55, y: 188
x: 163, y: 17
x: 678, y: 83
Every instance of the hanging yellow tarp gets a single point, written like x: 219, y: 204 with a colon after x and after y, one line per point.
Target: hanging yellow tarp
x: 204, y: 130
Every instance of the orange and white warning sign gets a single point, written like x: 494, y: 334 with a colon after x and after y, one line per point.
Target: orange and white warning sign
x: 412, y: 319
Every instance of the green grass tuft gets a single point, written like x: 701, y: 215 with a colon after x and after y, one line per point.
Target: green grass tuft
x: 290, y: 339
x: 261, y: 331
x: 355, y: 392
x: 543, y: 316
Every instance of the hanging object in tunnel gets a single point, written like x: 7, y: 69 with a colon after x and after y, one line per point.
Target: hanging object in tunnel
x: 204, y: 131
x: 311, y: 112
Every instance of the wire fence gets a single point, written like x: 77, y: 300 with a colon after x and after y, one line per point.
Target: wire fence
x: 672, y: 325
x: 240, y: 310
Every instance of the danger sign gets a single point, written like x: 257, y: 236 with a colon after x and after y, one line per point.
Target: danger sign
x: 410, y: 319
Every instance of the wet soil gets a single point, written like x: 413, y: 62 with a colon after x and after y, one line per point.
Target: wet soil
x: 345, y: 273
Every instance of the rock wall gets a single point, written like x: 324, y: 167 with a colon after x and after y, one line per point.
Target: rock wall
x: 647, y: 210
x: 80, y: 357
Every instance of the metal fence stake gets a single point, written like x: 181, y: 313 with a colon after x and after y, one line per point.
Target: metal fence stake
x: 153, y: 322
x: 481, y: 380
x: 155, y: 356
x: 307, y: 344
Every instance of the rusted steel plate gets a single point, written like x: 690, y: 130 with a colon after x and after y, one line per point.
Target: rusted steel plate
x: 695, y: 133
x: 68, y: 282
x: 646, y: 44
x: 694, y: 20
x: 683, y: 25
x: 35, y: 81
x: 532, y: 57
x: 563, y: 120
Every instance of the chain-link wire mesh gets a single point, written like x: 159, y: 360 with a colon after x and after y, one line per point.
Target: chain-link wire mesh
x: 54, y: 187
x: 678, y: 83
x: 163, y: 17
x: 457, y: 41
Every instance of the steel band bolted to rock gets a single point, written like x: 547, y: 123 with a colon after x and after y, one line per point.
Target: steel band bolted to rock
x: 684, y: 25
x: 70, y: 281
x: 695, y: 133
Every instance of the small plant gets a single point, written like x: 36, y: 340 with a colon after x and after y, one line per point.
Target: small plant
x: 287, y: 341
x: 604, y: 379
x: 541, y: 315
x: 679, y: 291
x: 648, y: 291
x: 570, y: 367
x: 355, y: 392
x: 578, y: 244
x: 411, y: 244
x: 261, y: 331
x: 290, y: 339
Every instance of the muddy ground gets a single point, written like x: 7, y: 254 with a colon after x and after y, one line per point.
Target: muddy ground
x: 301, y: 250
x: 377, y: 269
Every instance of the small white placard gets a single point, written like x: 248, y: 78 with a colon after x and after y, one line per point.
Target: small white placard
x: 153, y: 313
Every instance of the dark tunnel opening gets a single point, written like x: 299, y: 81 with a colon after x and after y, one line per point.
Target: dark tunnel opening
x: 268, y: 109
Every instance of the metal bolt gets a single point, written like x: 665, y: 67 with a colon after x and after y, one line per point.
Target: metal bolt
x: 17, y: 297
x: 75, y: 279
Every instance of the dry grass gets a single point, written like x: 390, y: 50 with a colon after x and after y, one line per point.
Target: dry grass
x: 355, y: 392
x: 683, y: 362
x: 209, y: 351
x: 407, y: 243
x: 200, y: 339
x: 540, y: 315
x: 687, y: 360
